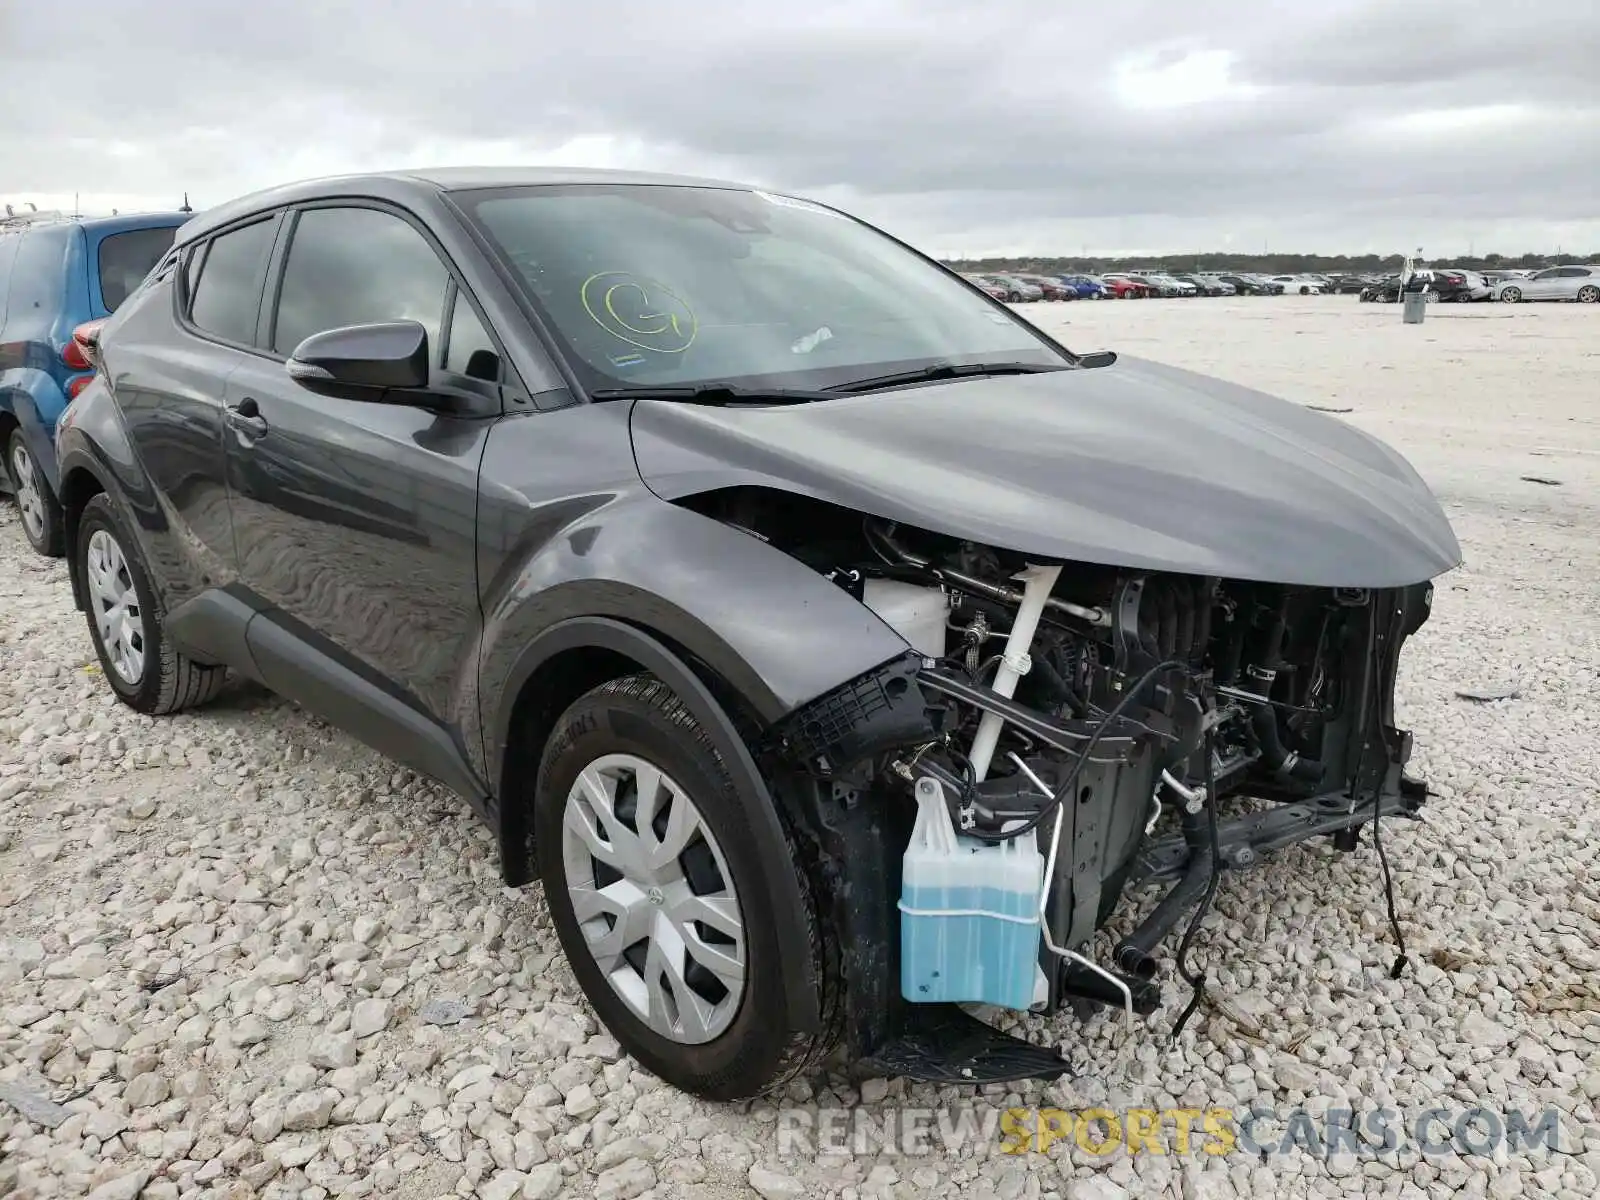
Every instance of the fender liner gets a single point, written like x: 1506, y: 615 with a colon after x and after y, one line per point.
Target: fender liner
x: 794, y: 951
x: 40, y: 440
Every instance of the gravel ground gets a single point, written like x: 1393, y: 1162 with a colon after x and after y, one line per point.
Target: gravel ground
x: 241, y: 955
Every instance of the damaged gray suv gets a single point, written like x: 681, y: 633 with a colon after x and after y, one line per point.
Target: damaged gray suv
x: 838, y: 650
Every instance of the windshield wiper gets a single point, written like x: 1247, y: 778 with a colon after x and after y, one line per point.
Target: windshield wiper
x: 712, y: 393
x: 947, y: 371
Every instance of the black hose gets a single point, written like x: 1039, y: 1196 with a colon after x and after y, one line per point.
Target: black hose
x: 1283, y: 763
x: 1066, y: 789
x: 1197, y: 981
x: 1401, y: 959
x: 1135, y: 953
x: 1168, y: 609
x: 1204, y: 601
x: 1264, y: 720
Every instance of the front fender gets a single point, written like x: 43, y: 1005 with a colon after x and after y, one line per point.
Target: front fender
x: 36, y: 401
x: 774, y: 630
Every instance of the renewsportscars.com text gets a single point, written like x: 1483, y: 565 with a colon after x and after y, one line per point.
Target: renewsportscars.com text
x: 1365, y: 1133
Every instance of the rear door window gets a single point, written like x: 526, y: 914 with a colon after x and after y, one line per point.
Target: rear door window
x: 126, y: 258
x: 8, y: 254
x: 226, y: 299
x: 39, y: 275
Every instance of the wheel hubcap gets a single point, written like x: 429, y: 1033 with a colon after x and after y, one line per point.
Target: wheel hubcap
x: 29, y: 501
x: 653, y: 898
x: 114, y: 604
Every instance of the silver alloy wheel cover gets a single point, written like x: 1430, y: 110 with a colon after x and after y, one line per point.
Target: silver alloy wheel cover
x: 114, y: 606
x: 652, y: 902
x: 1510, y: 295
x: 29, y: 501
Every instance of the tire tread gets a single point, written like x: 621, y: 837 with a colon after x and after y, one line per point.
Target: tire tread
x: 181, y: 682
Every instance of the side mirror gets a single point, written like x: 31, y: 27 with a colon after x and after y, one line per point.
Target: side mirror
x: 1097, y: 358
x: 363, y: 359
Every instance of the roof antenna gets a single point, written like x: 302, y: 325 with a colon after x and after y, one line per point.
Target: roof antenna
x: 186, y: 208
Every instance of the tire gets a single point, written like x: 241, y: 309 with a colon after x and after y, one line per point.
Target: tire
x: 1510, y: 295
x: 142, y: 667
x: 744, y: 1043
x: 1013, y: 297
x: 42, y: 521
x: 1589, y: 294
x: 1305, y: 291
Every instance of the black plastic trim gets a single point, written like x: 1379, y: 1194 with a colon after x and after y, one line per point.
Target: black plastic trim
x: 212, y: 629
x: 800, y: 982
x: 314, y: 679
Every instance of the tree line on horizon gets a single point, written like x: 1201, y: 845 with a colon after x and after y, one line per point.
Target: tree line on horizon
x: 1263, y: 264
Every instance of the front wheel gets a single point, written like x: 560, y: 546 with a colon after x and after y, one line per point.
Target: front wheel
x: 1589, y: 294
x: 1510, y: 295
x: 125, y: 617
x: 42, y: 523
x: 657, y: 881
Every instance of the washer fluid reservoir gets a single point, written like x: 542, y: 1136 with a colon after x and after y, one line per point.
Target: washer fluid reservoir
x: 915, y: 612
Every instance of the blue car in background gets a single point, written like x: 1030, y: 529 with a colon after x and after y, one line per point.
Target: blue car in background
x: 1087, y: 286
x: 57, y: 274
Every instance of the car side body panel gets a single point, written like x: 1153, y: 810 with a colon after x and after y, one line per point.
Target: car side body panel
x: 566, y: 530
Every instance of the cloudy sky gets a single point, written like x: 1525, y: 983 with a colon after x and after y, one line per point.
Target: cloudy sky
x: 971, y: 127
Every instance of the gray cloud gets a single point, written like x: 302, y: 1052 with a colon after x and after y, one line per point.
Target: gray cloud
x: 1013, y: 124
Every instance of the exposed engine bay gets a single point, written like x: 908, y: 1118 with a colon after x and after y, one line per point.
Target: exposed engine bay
x: 1131, y: 727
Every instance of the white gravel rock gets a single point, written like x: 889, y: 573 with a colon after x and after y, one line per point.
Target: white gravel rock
x: 371, y: 1016
x: 309, y: 1110
x: 543, y: 1182
x: 773, y: 1185
x: 625, y: 1180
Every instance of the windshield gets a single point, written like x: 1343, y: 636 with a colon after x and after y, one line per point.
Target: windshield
x: 650, y: 285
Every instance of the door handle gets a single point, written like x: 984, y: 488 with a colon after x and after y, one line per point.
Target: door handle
x: 246, y: 418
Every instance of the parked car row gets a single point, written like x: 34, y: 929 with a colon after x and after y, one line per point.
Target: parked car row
x: 1459, y: 285
x: 56, y: 274
x: 1026, y: 287
x: 1448, y: 284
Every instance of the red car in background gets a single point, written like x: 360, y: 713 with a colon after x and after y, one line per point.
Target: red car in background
x: 1123, y: 288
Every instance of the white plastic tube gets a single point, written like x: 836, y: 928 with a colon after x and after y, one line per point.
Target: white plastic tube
x: 1014, y: 662
x: 1044, y: 906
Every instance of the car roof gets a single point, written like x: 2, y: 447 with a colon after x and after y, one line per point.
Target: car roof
x: 391, y: 184
x: 120, y: 223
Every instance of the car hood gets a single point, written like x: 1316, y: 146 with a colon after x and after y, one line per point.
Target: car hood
x: 1135, y: 465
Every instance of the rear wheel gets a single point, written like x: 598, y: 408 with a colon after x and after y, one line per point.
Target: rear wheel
x: 657, y: 881
x: 1588, y: 294
x: 125, y: 617
x: 42, y: 522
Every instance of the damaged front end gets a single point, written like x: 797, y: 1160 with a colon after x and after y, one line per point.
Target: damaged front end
x: 1122, y: 728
